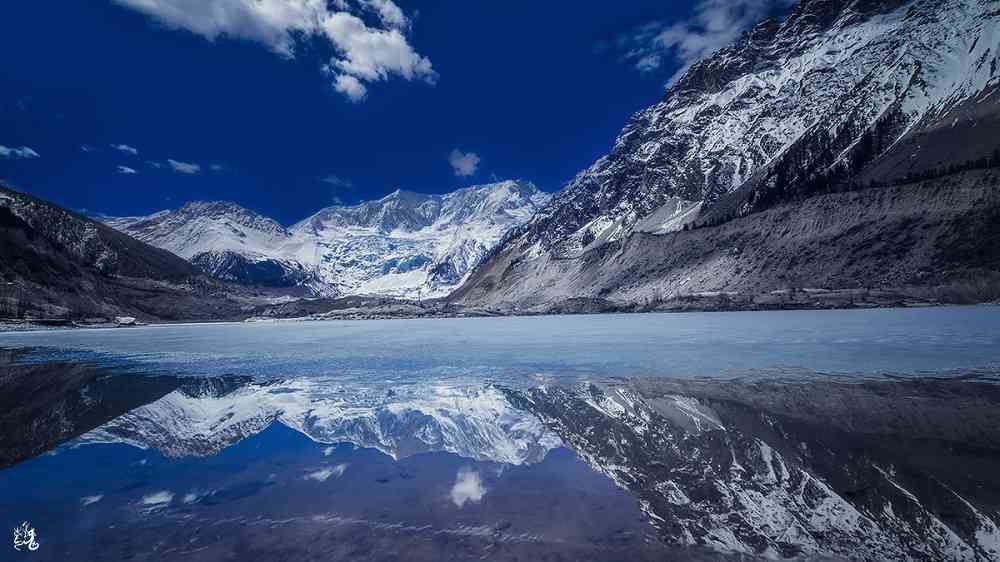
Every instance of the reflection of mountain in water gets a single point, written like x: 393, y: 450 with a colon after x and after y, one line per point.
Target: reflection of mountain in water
x: 865, y: 468
x: 45, y: 404
x: 203, y: 418
x: 874, y: 470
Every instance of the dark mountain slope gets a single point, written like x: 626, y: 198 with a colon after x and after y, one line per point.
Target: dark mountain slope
x: 940, y: 232
x: 59, y: 264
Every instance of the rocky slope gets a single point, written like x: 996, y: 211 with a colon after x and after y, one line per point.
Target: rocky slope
x: 839, y: 93
x: 405, y: 244
x: 937, y: 233
x: 67, y: 265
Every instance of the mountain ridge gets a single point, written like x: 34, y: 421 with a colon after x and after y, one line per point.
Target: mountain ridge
x: 836, y: 93
x: 66, y: 265
x: 404, y: 244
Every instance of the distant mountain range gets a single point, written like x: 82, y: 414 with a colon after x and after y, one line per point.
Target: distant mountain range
x: 404, y: 245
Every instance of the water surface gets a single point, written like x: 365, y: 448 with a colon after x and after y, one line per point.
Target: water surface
x: 616, y: 437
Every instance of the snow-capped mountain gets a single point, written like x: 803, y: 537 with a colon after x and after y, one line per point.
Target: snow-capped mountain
x: 408, y: 244
x: 223, y: 239
x: 835, y: 88
x: 203, y: 417
x: 405, y: 244
x: 838, y: 66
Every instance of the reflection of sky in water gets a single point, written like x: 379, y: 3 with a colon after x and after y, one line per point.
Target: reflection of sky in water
x: 278, y: 489
x: 509, y: 349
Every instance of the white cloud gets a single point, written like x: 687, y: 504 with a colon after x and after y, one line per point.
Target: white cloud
x: 324, y: 474
x: 126, y: 170
x: 183, y: 167
x: 350, y: 87
x: 153, y: 164
x: 22, y: 153
x: 126, y: 149
x: 390, y: 13
x: 468, y: 487
x: 86, y: 148
x: 713, y: 24
x: 364, y: 53
x: 463, y: 163
x: 88, y: 500
x: 216, y: 167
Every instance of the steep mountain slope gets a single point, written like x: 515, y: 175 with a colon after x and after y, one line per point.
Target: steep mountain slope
x: 839, y: 91
x: 942, y: 232
x: 405, y: 244
x: 67, y: 265
x: 408, y: 244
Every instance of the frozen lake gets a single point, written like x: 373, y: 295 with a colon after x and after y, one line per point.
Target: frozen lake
x: 670, y: 345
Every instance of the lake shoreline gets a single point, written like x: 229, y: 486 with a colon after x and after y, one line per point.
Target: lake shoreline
x: 721, y: 302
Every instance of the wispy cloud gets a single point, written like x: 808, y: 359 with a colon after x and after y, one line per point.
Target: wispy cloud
x: 23, y: 153
x: 464, y: 164
x: 183, y: 167
x: 126, y: 149
x: 338, y: 181
x: 216, y: 167
x: 88, y: 500
x: 126, y: 170
x: 343, y: 189
x: 363, y: 53
x: 86, y: 148
x: 713, y: 24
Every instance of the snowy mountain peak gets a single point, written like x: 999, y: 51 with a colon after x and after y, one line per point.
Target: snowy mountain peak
x: 404, y: 244
x: 205, y: 226
x: 411, y: 244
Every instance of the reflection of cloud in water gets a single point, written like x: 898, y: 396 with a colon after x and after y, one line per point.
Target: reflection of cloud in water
x: 468, y: 487
x: 158, y: 498
x: 324, y: 474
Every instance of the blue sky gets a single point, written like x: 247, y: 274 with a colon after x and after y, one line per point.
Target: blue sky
x: 285, y: 106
